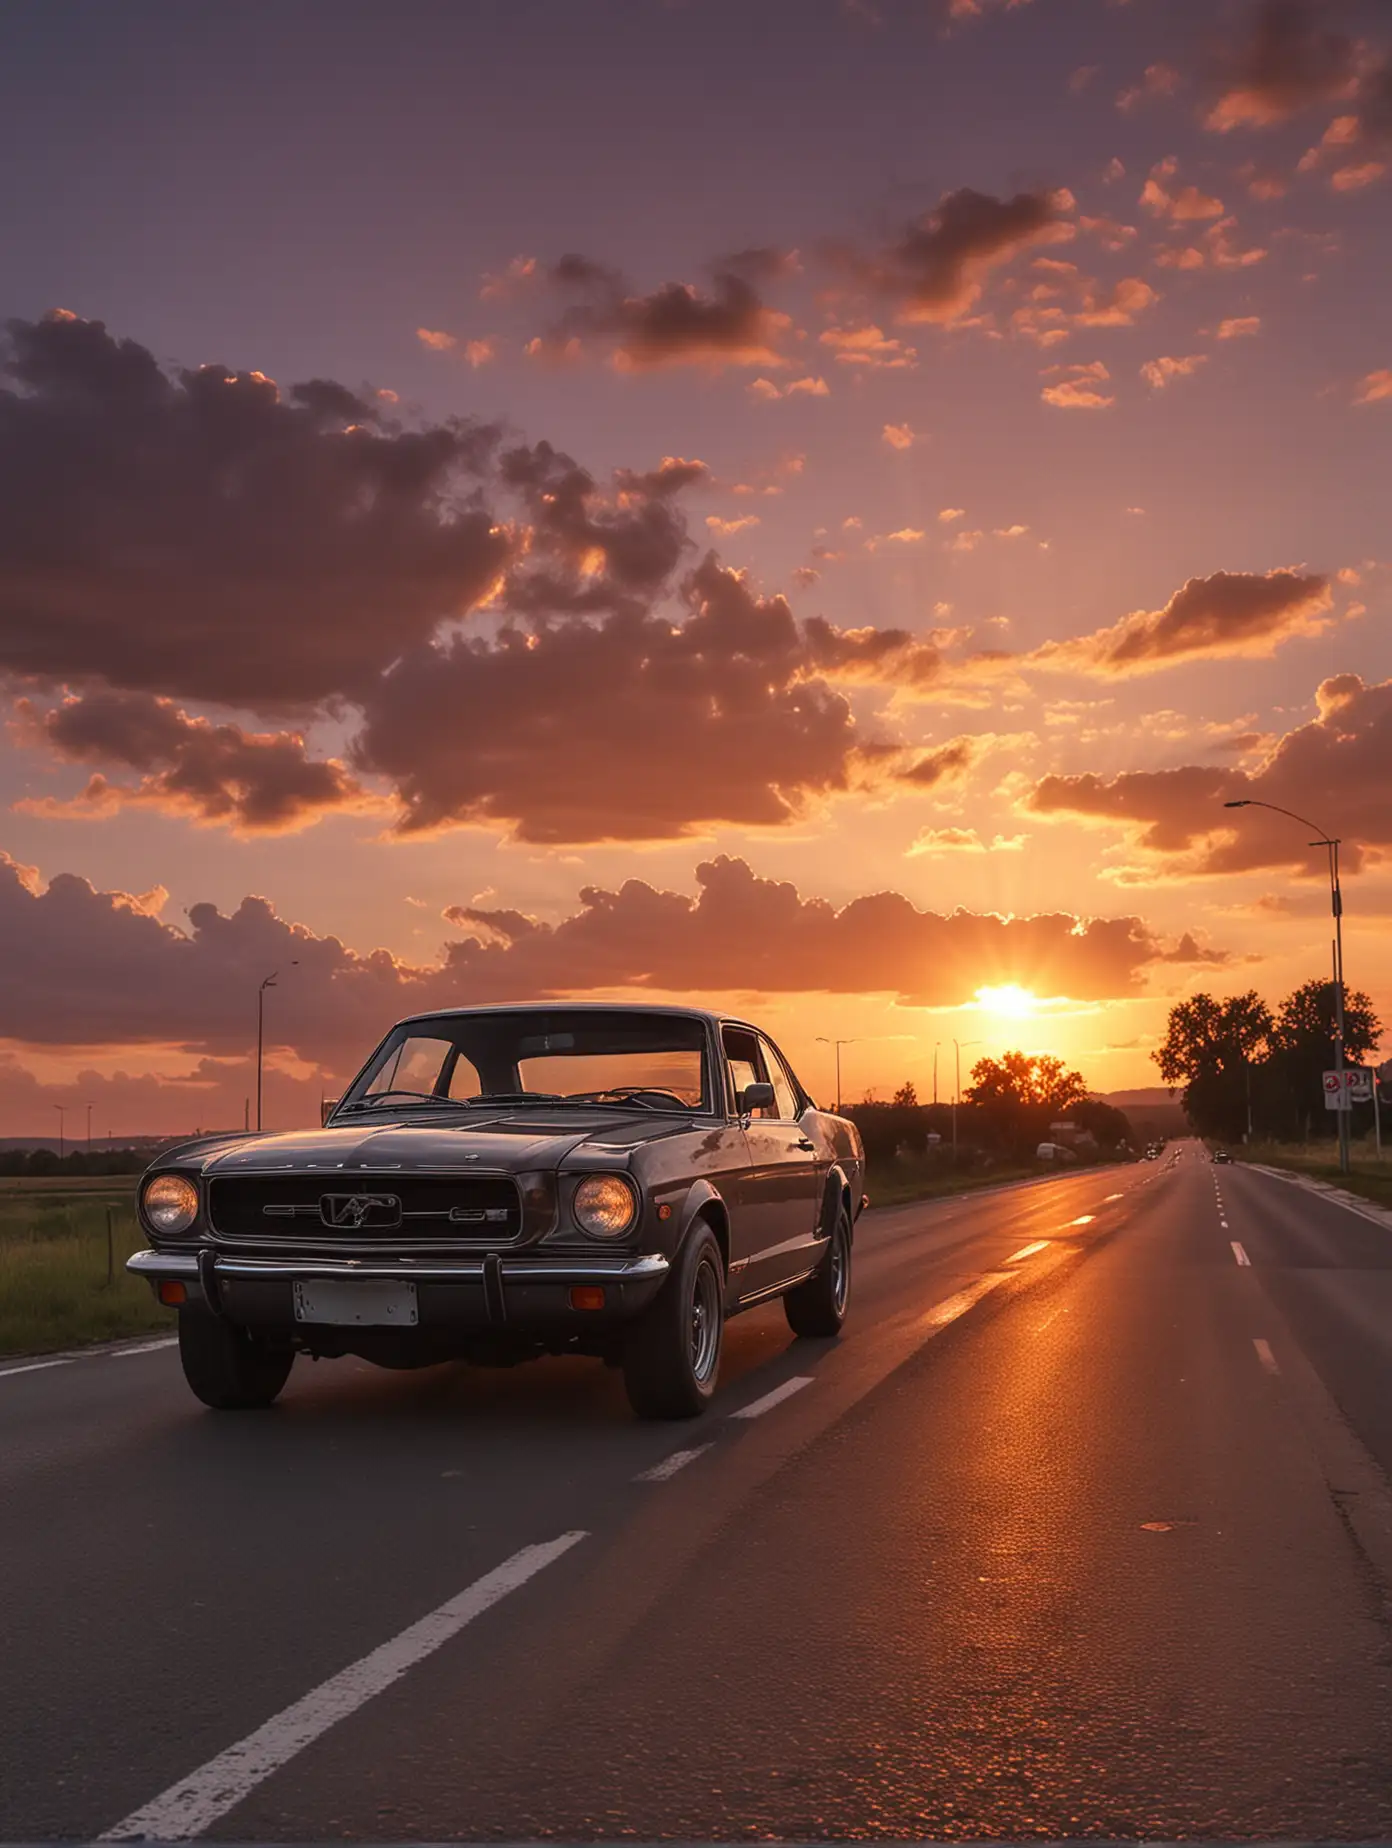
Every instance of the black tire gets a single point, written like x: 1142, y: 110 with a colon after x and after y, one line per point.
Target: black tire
x: 818, y: 1307
x: 671, y: 1357
x: 227, y: 1368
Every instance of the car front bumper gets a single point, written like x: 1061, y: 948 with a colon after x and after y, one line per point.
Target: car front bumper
x: 524, y: 1294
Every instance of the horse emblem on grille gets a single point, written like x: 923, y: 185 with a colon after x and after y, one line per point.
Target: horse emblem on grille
x: 352, y: 1212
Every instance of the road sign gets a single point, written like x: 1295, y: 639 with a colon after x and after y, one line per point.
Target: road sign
x: 1356, y: 1088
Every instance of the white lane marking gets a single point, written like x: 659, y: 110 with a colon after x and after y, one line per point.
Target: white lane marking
x: 951, y: 1307
x: 37, y: 1366
x: 1224, y: 1224
x: 1028, y: 1251
x: 776, y: 1397
x: 1239, y: 1253
x: 1114, y: 1197
x: 660, y: 1472
x: 145, y: 1347
x: 189, y: 1808
x: 1264, y: 1354
x: 1083, y: 1219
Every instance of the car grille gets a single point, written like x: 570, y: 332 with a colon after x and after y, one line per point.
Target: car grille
x: 365, y: 1209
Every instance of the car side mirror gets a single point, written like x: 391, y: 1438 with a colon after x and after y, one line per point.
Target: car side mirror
x: 327, y: 1106
x: 756, y: 1097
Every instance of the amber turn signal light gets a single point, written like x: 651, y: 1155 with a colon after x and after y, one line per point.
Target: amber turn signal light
x: 587, y: 1296
x: 172, y: 1293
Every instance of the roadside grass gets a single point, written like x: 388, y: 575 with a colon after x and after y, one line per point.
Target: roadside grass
x: 54, y: 1291
x: 1368, y: 1177
x: 896, y: 1183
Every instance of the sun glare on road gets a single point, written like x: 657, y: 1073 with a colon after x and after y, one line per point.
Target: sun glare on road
x: 1009, y: 1000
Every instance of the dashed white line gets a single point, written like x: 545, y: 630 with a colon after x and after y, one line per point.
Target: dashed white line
x: 191, y: 1807
x: 1223, y: 1224
x: 951, y: 1307
x: 1028, y: 1251
x: 1264, y: 1354
x: 668, y: 1467
x: 1083, y: 1219
x: 776, y: 1397
x: 1239, y: 1253
x: 36, y: 1366
x: 1111, y: 1197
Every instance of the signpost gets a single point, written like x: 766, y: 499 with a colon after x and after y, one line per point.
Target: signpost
x: 1343, y: 1089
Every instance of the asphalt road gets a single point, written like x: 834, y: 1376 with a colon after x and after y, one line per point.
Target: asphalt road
x: 1083, y: 1528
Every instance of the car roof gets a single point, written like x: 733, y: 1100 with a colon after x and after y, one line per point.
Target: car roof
x: 580, y: 1007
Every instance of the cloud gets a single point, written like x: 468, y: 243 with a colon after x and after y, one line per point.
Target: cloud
x: 898, y: 436
x: 1158, y: 373
x: 1284, y: 60
x: 260, y: 783
x: 86, y: 969
x: 948, y: 514
x: 1231, y: 613
x: 588, y: 732
x: 1239, y: 327
x: 437, y: 341
x: 1158, y: 80
x: 1374, y: 387
x: 1078, y: 387
x: 724, y: 528
x: 207, y: 536
x: 935, y: 270
x: 1129, y: 297
x: 1216, y: 249
x: 675, y: 325
x: 1338, y: 765
x: 765, y: 391
x: 936, y: 841
x: 869, y: 347
x: 1176, y: 205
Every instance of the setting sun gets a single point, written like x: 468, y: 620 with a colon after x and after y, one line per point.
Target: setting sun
x: 1009, y: 1000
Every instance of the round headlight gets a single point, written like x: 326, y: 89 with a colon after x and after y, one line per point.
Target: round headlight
x: 170, y: 1203
x: 605, y: 1205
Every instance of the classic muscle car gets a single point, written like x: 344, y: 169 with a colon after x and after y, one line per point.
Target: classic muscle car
x: 504, y: 1182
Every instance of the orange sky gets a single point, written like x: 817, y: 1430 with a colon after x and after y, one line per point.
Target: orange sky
x: 815, y: 521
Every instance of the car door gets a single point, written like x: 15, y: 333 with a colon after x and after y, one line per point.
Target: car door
x: 780, y: 1194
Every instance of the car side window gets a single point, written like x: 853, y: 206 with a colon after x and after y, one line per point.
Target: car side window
x: 782, y: 1088
x: 416, y: 1065
x: 745, y: 1061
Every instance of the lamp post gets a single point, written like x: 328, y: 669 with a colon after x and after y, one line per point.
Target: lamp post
x: 89, y: 1129
x: 61, y: 1108
x: 957, y: 1046
x: 936, y: 1044
x: 269, y: 982
x: 838, y: 1044
x: 1336, y: 901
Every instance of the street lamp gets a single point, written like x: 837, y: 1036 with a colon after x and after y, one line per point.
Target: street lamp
x: 936, y: 1044
x: 60, y: 1108
x: 1336, y: 900
x: 89, y: 1129
x: 957, y: 1046
x: 269, y: 982
x: 822, y: 1040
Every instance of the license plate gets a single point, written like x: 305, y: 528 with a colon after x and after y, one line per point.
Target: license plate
x: 359, y: 1302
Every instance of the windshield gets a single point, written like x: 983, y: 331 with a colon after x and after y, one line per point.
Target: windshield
x: 656, y: 1061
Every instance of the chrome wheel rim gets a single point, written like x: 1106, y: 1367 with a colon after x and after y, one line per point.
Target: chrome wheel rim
x: 705, y: 1321
x: 840, y: 1271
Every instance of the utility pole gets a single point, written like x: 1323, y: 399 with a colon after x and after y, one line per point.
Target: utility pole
x: 1336, y: 901
x: 269, y: 982
x: 822, y: 1040
x: 957, y: 1046
x: 89, y: 1129
x: 62, y: 1145
x: 935, y: 1070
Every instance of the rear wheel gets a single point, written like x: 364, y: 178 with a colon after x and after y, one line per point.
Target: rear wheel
x: 818, y: 1307
x: 226, y: 1367
x: 672, y: 1353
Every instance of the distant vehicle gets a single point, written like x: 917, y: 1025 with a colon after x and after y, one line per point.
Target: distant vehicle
x: 504, y: 1182
x: 1152, y: 1152
x: 1056, y: 1152
x: 1221, y: 1155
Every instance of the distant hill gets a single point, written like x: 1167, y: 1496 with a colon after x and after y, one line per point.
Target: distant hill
x: 1151, y: 1109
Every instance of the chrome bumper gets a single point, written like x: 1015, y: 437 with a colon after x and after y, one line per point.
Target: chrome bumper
x: 183, y: 1265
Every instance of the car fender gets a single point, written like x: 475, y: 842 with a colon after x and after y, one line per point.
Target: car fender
x: 704, y: 1201
x: 837, y: 1187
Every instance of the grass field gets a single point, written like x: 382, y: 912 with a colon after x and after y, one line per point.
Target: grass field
x: 54, y: 1290
x: 1368, y: 1176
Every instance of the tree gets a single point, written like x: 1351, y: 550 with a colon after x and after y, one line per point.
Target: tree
x: 1019, y: 1093
x: 1210, y: 1047
x: 906, y: 1097
x: 1302, y: 1050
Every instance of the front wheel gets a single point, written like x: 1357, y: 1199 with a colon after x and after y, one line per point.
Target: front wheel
x: 672, y: 1353
x: 226, y: 1367
x: 818, y: 1307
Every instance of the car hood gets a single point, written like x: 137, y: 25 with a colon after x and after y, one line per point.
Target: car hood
x: 522, y: 1142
